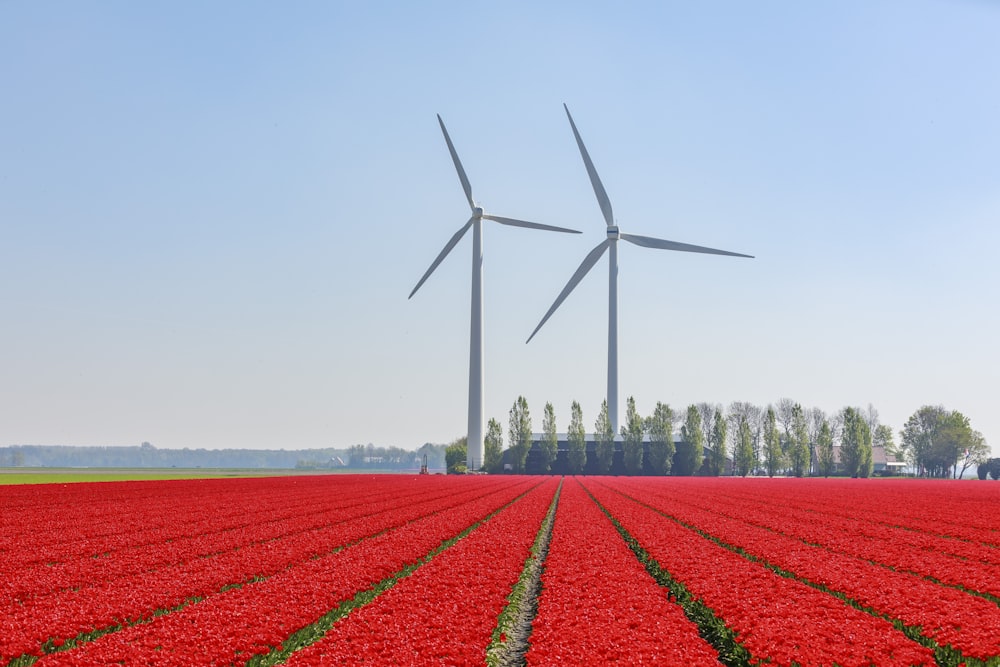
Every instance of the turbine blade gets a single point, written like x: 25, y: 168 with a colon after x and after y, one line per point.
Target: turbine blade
x: 585, y: 266
x: 595, y: 180
x: 458, y: 166
x: 444, y: 253
x: 649, y: 242
x: 530, y: 225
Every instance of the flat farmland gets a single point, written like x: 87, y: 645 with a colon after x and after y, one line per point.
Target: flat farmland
x: 71, y: 475
x: 502, y: 570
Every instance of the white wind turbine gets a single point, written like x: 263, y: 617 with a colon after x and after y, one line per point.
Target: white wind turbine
x: 474, y: 458
x: 611, y: 243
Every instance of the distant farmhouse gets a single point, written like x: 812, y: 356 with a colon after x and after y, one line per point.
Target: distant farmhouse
x: 883, y: 462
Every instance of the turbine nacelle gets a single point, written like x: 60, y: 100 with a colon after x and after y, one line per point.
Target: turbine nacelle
x: 614, y: 233
x: 478, y: 214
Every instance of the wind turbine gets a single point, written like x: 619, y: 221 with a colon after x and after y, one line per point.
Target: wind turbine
x: 611, y: 244
x: 474, y: 457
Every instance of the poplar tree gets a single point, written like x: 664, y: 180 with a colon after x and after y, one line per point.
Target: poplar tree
x: 693, y: 435
x: 772, y: 444
x: 632, y: 439
x: 783, y: 415
x: 604, y: 434
x: 661, y: 439
x: 867, y: 464
x: 577, y: 455
x: 745, y: 461
x: 519, y: 433
x: 707, y: 413
x: 717, y: 445
x: 754, y: 416
x: 798, y: 449
x: 493, y: 446
x: 855, y: 444
x: 550, y: 440
x: 824, y: 449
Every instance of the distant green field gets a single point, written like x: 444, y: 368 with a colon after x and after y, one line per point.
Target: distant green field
x: 68, y: 475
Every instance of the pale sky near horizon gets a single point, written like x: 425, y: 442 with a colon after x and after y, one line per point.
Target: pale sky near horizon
x: 211, y: 214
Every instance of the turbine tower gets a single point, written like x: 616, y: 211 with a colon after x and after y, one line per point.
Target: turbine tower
x: 474, y: 457
x: 610, y: 244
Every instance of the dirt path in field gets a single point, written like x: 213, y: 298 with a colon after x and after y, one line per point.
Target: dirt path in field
x: 511, y: 652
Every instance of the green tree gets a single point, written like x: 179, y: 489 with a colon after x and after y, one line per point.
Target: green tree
x: 632, y: 435
x: 956, y: 439
x: 977, y: 453
x: 707, y: 413
x: 867, y: 463
x: 577, y: 455
x: 773, y: 456
x: 519, y: 433
x: 550, y: 441
x: 604, y: 434
x: 934, y: 439
x: 716, y: 463
x: 918, y: 436
x: 783, y: 413
x: 493, y: 446
x: 745, y: 461
x: 824, y: 449
x: 692, y: 434
x: 754, y: 416
x: 814, y: 418
x: 661, y: 439
x: 883, y: 437
x: 455, y: 456
x: 855, y: 444
x: 798, y: 448
x: 850, y: 441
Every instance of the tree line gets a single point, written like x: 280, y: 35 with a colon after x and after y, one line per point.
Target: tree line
x: 393, y: 458
x: 782, y: 438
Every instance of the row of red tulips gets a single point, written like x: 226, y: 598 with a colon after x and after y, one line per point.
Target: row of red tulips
x: 174, y: 520
x: 945, y: 508
x: 599, y: 605
x: 110, y: 516
x: 230, y: 627
x: 447, y: 610
x: 93, y: 560
x: 956, y: 561
x: 777, y: 619
x: 106, y: 603
x: 417, y: 570
x: 947, y: 616
x: 950, y: 561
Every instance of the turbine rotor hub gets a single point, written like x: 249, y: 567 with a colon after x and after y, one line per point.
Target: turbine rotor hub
x: 477, y: 212
x: 614, y: 233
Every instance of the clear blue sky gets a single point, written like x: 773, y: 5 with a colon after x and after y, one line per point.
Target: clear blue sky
x: 211, y: 214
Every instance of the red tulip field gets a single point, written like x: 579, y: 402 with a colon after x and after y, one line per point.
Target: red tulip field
x: 500, y: 570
